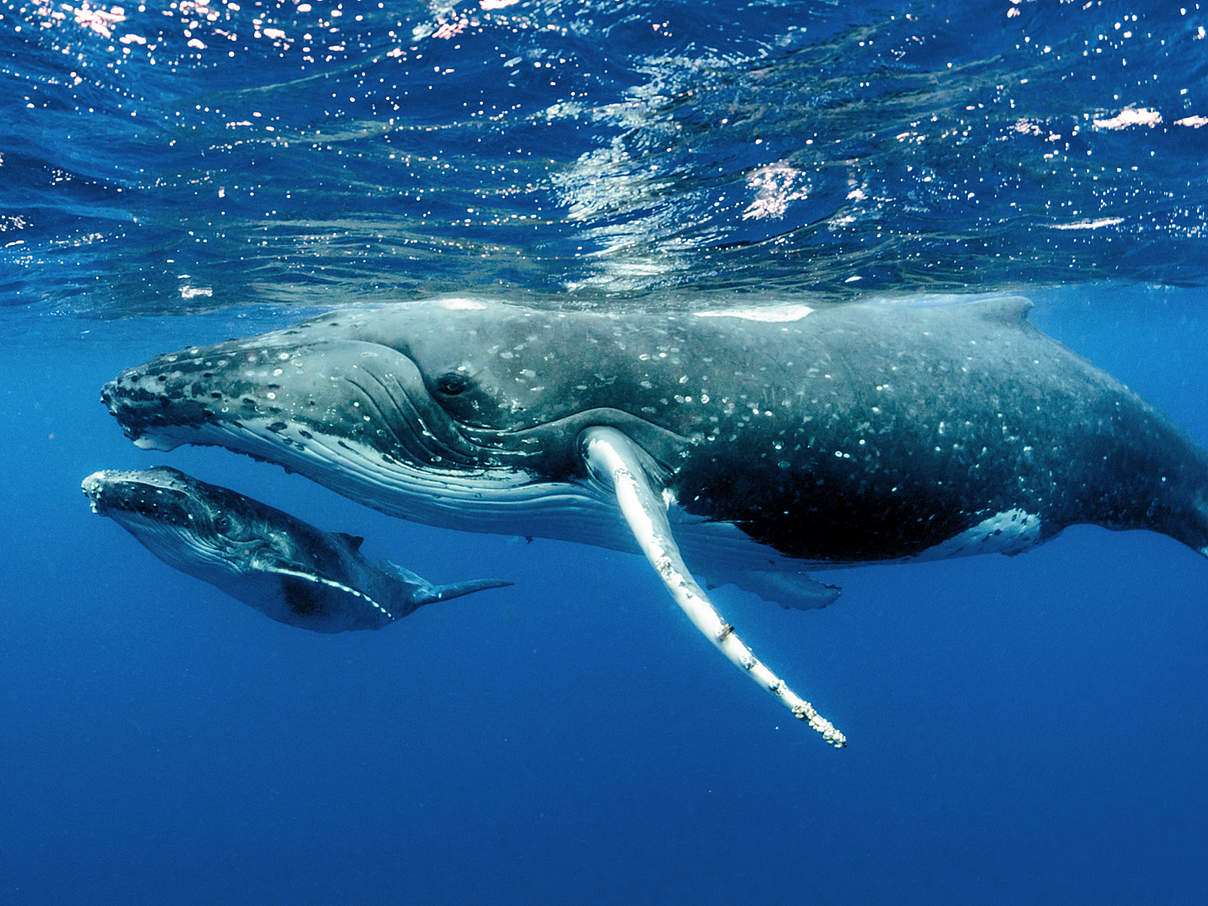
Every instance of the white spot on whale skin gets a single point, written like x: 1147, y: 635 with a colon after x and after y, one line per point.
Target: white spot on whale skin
x: 458, y: 304
x: 1009, y: 532
x: 770, y: 314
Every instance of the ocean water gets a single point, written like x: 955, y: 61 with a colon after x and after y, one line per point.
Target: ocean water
x: 1025, y: 729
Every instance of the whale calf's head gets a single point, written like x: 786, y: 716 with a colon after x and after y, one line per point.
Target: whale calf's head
x: 443, y: 404
x: 185, y: 522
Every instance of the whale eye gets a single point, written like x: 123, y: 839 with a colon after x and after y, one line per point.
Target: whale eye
x: 452, y: 383
x: 222, y: 523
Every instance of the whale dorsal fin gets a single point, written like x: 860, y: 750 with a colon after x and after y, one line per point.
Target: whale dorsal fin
x: 354, y: 541
x: 1009, y: 310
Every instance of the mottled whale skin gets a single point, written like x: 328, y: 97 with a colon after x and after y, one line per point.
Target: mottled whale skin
x: 854, y: 433
x: 742, y: 445
x: 284, y: 567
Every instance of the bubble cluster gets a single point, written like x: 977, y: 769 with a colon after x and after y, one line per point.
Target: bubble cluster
x: 202, y: 153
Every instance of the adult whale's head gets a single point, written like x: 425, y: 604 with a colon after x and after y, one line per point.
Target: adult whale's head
x: 452, y: 410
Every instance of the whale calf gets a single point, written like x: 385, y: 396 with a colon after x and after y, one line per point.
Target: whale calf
x: 743, y: 445
x: 280, y: 565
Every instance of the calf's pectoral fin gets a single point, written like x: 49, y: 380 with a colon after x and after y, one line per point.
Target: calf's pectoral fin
x: 615, y: 460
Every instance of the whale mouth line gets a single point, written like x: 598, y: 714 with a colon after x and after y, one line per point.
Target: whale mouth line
x: 509, y: 499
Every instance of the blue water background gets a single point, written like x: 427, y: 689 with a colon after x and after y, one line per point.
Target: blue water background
x: 1027, y: 729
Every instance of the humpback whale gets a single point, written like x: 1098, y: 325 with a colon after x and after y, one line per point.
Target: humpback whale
x: 742, y: 445
x: 284, y: 567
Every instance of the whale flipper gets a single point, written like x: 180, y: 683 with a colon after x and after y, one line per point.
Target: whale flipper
x: 792, y: 437
x: 614, y: 459
x: 792, y: 591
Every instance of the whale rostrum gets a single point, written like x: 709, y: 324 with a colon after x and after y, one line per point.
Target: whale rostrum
x: 747, y: 446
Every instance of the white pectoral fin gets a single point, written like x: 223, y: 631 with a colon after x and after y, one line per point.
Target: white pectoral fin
x: 614, y: 459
